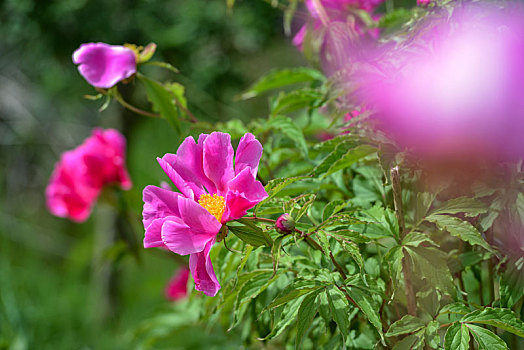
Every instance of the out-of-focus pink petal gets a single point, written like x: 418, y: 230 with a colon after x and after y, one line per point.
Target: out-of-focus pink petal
x: 298, y: 39
x: 203, y: 273
x: 244, y: 193
x: 81, y: 173
x: 191, y: 232
x: 158, y: 203
x: 177, y: 287
x: 218, y: 160
x: 248, y: 154
x: 104, y: 65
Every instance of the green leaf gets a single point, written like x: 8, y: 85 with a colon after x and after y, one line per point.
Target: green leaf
x: 162, y: 100
x: 501, y: 318
x: 460, y: 229
x: 407, y: 324
x: 305, y: 316
x: 469, y: 206
x: 414, y: 239
x: 295, y: 100
x: 486, y: 339
x: 455, y: 308
x: 352, y: 249
x: 457, y: 337
x: 368, y: 307
x: 341, y: 149
x: 249, y: 234
x: 349, y: 158
x: 333, y: 207
x: 162, y: 65
x: 411, y: 342
x: 304, y: 208
x: 291, y: 295
x: 283, y: 77
x: 324, y: 242
x: 276, y: 185
x: 339, y: 309
x: 288, y: 127
x: 430, y: 263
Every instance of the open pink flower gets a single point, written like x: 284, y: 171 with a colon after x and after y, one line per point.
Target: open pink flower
x: 81, y: 173
x: 104, y: 65
x: 213, y: 192
x: 177, y: 287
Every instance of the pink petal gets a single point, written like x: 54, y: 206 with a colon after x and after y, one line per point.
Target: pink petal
x: 191, y: 232
x: 189, y: 189
x: 177, y: 287
x: 298, y: 39
x: 248, y: 154
x: 203, y: 273
x: 104, y: 65
x: 153, y: 234
x: 218, y: 160
x: 244, y: 193
x: 159, y: 203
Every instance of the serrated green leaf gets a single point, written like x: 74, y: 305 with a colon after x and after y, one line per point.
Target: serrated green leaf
x: 469, y: 206
x: 351, y: 235
x: 252, y: 235
x: 306, y: 314
x: 341, y: 149
x: 282, y: 77
x: 339, y: 309
x: 407, y: 324
x: 411, y: 342
x: 432, y: 334
x: 486, y: 339
x: 291, y: 295
x: 288, y: 127
x: 349, y: 158
x: 333, y: 207
x: 162, y: 100
x: 276, y: 185
x: 414, y: 239
x: 460, y: 229
x: 368, y: 307
x: 501, y: 318
x: 304, y: 208
x: 455, y: 308
x: 295, y: 100
x: 430, y: 263
x: 457, y: 337
x: 352, y: 249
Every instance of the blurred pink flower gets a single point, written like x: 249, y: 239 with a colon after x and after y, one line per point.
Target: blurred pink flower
x: 81, y: 173
x: 176, y: 289
x: 338, y: 11
x: 423, y: 2
x: 104, y: 65
x: 213, y: 192
x: 454, y: 87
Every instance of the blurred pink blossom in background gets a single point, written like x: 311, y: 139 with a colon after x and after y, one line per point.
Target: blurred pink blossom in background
x: 177, y: 286
x: 324, y: 12
x: 455, y: 87
x: 81, y: 174
x: 104, y: 65
x: 213, y: 192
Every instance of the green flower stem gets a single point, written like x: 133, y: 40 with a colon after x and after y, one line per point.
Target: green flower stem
x: 132, y: 108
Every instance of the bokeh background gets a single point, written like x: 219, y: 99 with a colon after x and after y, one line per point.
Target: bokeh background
x: 66, y: 285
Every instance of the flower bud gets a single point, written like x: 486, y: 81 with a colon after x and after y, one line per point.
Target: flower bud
x: 285, y: 224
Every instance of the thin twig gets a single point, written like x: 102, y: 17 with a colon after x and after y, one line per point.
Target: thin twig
x: 132, y: 108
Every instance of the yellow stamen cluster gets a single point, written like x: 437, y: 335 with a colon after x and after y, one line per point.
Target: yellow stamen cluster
x: 214, y: 204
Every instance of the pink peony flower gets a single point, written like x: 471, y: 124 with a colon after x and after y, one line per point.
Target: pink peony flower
x: 338, y: 11
x: 81, y: 173
x: 176, y: 289
x: 213, y: 192
x: 104, y: 65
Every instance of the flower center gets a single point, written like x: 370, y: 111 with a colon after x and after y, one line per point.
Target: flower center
x: 214, y: 204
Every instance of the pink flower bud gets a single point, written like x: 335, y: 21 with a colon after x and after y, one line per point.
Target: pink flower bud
x: 285, y: 224
x: 104, y: 65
